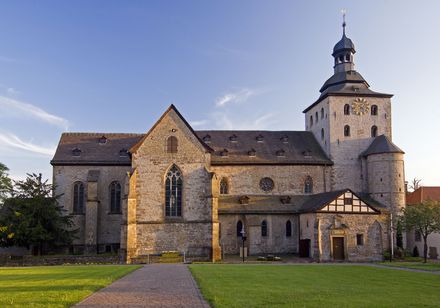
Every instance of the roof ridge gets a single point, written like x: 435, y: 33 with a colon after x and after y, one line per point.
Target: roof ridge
x: 98, y: 133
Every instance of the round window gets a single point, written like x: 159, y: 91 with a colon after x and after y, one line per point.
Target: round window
x: 266, y: 184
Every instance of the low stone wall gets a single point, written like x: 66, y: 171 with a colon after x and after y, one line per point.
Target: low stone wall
x: 58, y: 260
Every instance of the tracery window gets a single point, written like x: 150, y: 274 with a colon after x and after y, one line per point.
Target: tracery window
x: 78, y: 198
x: 347, y: 131
x: 173, y: 192
x: 308, y: 185
x: 224, y: 187
x: 346, y: 109
x: 264, y: 228
x: 288, y: 229
x: 115, y: 197
x: 172, y: 144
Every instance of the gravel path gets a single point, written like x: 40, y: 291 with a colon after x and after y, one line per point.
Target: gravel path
x: 154, y: 285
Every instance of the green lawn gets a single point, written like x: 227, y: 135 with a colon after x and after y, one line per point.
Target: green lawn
x: 430, y: 266
x: 55, y: 286
x: 315, y: 286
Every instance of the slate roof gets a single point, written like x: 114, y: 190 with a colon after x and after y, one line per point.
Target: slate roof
x: 298, y: 204
x: 381, y: 144
x: 344, y: 44
x: 92, y: 152
x: 271, y: 147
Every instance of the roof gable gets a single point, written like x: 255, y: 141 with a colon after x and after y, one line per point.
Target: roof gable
x: 170, y: 109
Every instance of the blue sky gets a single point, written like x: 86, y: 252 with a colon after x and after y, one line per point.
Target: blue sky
x: 115, y: 66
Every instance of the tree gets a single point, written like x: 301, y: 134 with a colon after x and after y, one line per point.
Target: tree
x: 5, y: 183
x: 34, y: 218
x: 415, y: 184
x: 424, y: 218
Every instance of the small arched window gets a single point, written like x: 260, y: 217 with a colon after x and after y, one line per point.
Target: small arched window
x: 374, y: 131
x: 322, y: 113
x: 347, y: 131
x: 173, y: 192
x: 346, y: 109
x: 264, y: 228
x: 322, y: 133
x: 288, y: 229
x: 347, y: 57
x: 311, y: 121
x: 224, y: 187
x: 172, y: 144
x: 316, y: 116
x: 373, y: 109
x: 78, y: 198
x: 239, y: 228
x: 308, y: 185
x: 341, y: 58
x: 115, y: 197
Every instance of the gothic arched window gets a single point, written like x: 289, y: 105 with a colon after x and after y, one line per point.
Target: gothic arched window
x: 346, y: 109
x: 115, y: 197
x: 78, y: 198
x: 224, y: 187
x: 173, y: 192
x: 264, y: 228
x: 374, y: 131
x: 172, y: 144
x: 239, y: 227
x: 347, y: 131
x: 288, y: 229
x: 308, y: 185
x: 311, y: 121
x: 373, y: 109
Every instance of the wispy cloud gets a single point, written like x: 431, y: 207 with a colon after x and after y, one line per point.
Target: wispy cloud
x: 12, y: 141
x: 10, y: 105
x: 223, y: 120
x: 198, y: 123
x: 237, y: 96
x: 12, y: 91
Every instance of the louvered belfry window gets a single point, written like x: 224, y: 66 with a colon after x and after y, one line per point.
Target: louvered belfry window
x: 172, y: 144
x: 173, y: 192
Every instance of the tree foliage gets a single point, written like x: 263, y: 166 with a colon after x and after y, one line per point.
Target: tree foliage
x: 5, y: 183
x: 424, y: 218
x: 33, y: 217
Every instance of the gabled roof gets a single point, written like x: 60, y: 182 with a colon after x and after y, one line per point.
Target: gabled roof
x: 134, y: 148
x: 381, y: 144
x: 264, y: 147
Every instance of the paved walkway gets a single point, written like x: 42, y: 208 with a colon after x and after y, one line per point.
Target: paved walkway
x: 154, y: 285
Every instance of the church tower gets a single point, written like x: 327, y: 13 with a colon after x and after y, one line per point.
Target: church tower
x: 346, y: 118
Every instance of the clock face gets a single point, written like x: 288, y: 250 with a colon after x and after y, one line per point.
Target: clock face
x: 360, y: 106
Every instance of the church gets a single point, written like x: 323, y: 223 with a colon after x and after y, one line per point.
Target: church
x: 327, y: 193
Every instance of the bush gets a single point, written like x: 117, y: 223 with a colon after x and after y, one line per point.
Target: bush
x: 415, y: 252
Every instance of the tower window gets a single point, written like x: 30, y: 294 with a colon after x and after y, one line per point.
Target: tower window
x: 346, y: 109
x: 311, y: 121
x: 308, y: 185
x: 347, y: 57
x: 316, y: 116
x: 322, y: 113
x: 373, y: 131
x: 347, y: 131
x: 341, y: 58
x: 172, y: 144
x: 288, y: 229
x: 373, y: 109
x: 224, y: 187
x: 322, y: 133
x: 264, y: 228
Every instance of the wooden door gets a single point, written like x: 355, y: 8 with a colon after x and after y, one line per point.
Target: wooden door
x: 304, y: 248
x: 338, y: 248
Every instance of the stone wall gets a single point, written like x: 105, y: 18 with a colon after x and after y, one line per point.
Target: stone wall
x: 276, y: 240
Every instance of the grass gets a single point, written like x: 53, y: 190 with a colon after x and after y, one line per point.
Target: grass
x: 55, y: 286
x: 315, y: 286
x: 429, y: 266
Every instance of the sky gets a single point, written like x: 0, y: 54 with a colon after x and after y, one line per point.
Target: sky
x: 115, y: 66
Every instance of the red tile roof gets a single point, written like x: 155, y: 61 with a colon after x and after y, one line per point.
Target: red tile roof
x: 423, y: 193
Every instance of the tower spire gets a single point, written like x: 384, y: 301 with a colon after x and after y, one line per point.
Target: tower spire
x: 343, y: 11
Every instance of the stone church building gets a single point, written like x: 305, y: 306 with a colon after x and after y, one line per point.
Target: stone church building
x: 327, y: 193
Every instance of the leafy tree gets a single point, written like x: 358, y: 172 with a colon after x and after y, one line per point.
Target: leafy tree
x: 5, y: 183
x: 424, y: 218
x: 34, y: 218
